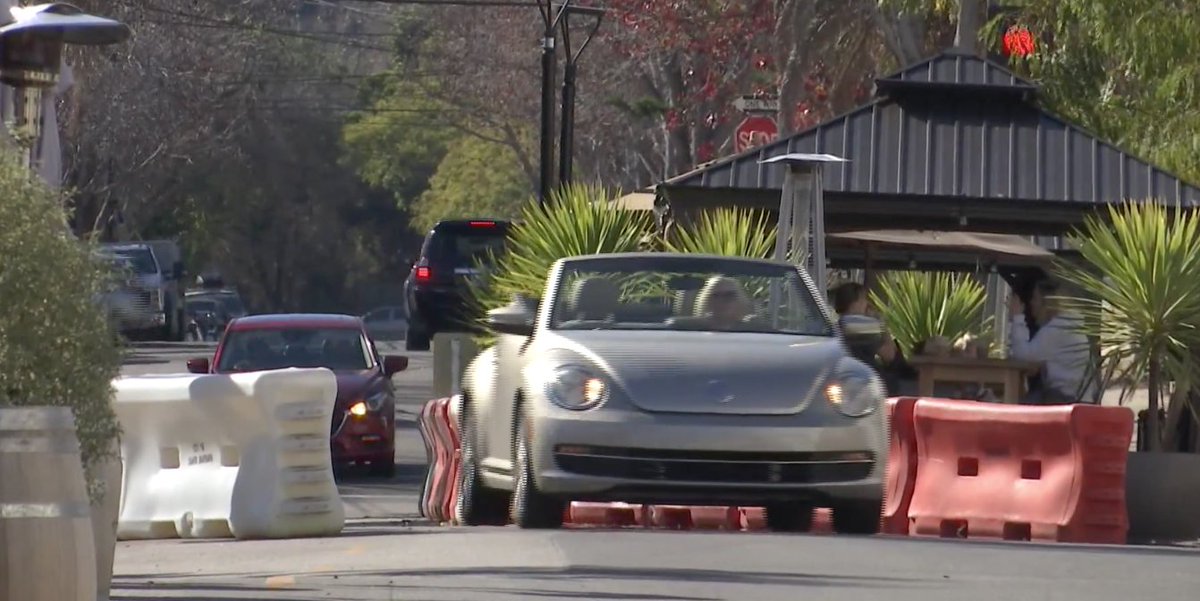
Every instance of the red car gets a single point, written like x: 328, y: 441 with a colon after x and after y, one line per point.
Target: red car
x: 363, y: 429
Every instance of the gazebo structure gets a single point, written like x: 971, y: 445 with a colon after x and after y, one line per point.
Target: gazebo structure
x: 953, y: 143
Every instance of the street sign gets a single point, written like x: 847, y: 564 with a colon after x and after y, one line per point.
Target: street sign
x: 754, y: 131
x: 757, y: 104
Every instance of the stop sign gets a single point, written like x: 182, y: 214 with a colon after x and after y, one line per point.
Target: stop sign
x: 754, y: 131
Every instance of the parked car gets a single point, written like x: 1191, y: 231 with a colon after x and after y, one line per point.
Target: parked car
x: 206, y: 318
x: 363, y: 429
x: 156, y: 286
x: 436, y: 290
x: 665, y: 378
x: 386, y: 323
x: 229, y: 299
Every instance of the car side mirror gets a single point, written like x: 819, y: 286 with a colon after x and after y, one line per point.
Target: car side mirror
x: 198, y: 365
x: 863, y: 335
x: 394, y: 364
x: 177, y: 271
x: 516, y: 318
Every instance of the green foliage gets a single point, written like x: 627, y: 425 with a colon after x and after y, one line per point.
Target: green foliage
x: 1128, y: 70
x: 398, y: 143
x: 727, y: 231
x: 476, y: 178
x: 56, y: 347
x: 1140, y: 291
x: 578, y: 220
x: 917, y: 306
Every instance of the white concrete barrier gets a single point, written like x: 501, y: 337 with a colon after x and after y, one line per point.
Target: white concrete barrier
x: 215, y: 456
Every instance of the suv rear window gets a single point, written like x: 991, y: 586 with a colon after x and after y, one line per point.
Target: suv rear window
x: 463, y: 245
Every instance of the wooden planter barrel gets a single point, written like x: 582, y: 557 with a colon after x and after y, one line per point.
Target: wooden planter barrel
x: 46, y: 548
x: 104, y: 521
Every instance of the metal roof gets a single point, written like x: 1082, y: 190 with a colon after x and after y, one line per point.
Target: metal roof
x: 960, y: 127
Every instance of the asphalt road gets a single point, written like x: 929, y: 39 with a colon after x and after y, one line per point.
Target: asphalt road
x: 387, y: 554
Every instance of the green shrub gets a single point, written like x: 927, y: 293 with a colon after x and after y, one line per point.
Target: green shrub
x: 732, y: 232
x: 56, y: 347
x: 1140, y: 296
x: 917, y: 306
x: 577, y: 220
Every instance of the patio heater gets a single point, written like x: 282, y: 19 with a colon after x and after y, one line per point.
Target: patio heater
x: 31, y: 45
x: 800, y: 236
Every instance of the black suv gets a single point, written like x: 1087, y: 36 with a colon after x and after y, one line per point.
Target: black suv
x: 436, y: 289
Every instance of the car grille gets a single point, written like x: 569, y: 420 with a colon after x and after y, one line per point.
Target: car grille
x: 714, y: 466
x: 145, y: 300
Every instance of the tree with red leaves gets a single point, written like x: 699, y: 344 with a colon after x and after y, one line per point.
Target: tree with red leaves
x: 696, y: 57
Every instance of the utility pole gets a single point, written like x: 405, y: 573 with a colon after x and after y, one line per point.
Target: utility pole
x: 566, y: 145
x: 550, y: 18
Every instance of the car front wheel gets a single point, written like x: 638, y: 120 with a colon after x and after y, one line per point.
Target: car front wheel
x: 789, y: 517
x: 476, y: 505
x: 857, y: 517
x: 530, y: 507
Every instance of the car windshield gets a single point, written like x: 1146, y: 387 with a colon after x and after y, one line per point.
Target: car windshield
x: 687, y: 293
x: 466, y: 247
x: 232, y: 303
x: 141, y: 259
x: 338, y: 349
x: 201, y: 305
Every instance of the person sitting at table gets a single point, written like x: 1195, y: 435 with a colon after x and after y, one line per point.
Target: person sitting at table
x: 851, y: 298
x: 1058, y: 345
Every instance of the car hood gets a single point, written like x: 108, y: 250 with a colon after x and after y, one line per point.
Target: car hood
x: 706, y: 372
x: 353, y: 384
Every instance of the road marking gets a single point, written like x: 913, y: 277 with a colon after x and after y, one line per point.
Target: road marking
x: 280, y: 581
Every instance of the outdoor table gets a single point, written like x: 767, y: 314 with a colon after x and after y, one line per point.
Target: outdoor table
x: 1008, y: 373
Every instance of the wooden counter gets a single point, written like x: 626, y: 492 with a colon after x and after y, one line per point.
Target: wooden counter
x: 1009, y: 374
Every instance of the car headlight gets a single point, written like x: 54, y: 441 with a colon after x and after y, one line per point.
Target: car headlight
x: 576, y: 387
x: 358, y: 409
x: 855, y: 392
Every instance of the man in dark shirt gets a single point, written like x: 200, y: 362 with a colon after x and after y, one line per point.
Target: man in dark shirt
x: 850, y: 298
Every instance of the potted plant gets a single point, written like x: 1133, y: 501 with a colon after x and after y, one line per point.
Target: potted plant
x: 56, y: 346
x: 919, y: 307
x: 1139, y: 294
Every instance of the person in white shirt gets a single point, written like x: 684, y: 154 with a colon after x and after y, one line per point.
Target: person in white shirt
x: 1058, y: 345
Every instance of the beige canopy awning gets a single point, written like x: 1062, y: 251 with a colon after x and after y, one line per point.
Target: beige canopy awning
x: 999, y: 246
x: 636, y: 201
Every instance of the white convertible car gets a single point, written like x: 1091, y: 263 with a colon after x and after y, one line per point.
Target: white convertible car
x: 674, y: 379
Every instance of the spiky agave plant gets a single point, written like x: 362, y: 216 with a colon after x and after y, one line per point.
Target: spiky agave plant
x: 578, y: 219
x: 1139, y: 289
x: 917, y: 306
x: 735, y: 232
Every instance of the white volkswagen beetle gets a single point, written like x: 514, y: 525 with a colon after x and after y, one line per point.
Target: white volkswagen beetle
x: 673, y: 379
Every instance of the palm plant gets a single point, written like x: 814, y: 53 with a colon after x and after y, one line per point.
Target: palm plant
x: 919, y: 306
x: 733, y: 232
x: 1140, y: 295
x: 578, y: 219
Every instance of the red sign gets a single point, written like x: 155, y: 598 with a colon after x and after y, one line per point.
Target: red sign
x: 753, y: 132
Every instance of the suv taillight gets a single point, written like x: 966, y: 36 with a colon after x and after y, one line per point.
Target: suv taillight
x: 423, y: 275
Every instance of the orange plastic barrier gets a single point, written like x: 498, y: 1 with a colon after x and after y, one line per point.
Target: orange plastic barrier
x: 454, y: 458
x: 608, y: 515
x: 754, y: 519
x: 901, y: 466
x: 1021, y: 472
x: 441, y: 445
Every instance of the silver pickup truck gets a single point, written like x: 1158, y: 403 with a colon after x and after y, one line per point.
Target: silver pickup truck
x: 146, y: 300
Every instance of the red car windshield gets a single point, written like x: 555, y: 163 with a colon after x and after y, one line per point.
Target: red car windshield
x: 338, y: 349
